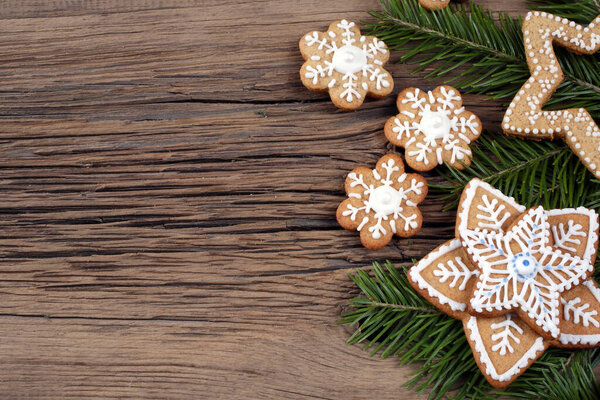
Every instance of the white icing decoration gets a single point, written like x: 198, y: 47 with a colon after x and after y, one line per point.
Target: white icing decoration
x: 415, y: 275
x: 355, y: 60
x: 457, y: 270
x: 567, y: 239
x: 439, y: 132
x: 383, y: 202
x: 490, y: 368
x: 492, y: 212
x: 434, y: 124
x: 505, y: 335
x: 586, y: 339
x: 349, y: 59
x: 520, y: 270
x: 580, y: 311
x: 590, y: 237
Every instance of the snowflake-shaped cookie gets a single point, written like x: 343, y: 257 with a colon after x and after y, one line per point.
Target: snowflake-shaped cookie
x: 346, y: 64
x: 433, y: 127
x: 382, y: 202
x: 515, y: 262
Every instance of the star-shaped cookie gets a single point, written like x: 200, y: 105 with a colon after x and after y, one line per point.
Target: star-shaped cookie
x: 504, y: 266
x: 525, y: 117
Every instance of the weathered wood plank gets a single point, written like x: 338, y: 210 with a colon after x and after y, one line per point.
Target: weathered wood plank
x: 100, y: 359
x: 181, y: 242
x: 148, y: 53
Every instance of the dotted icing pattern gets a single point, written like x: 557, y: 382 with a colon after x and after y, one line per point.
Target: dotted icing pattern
x: 382, y: 201
x: 493, y: 228
x: 346, y: 64
x: 433, y: 127
x: 524, y: 117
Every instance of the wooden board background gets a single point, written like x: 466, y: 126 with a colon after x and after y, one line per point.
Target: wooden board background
x: 168, y: 191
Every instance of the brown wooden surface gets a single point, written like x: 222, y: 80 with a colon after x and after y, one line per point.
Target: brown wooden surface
x: 168, y: 199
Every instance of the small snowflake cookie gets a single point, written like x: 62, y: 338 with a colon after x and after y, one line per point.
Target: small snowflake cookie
x: 433, y: 127
x: 519, y: 279
x: 382, y: 202
x: 346, y: 64
x: 525, y: 116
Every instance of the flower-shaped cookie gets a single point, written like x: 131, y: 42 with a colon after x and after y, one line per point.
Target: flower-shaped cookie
x: 433, y: 127
x: 518, y: 279
x: 344, y: 63
x: 382, y: 202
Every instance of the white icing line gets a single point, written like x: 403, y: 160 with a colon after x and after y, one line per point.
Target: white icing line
x: 592, y: 236
x: 593, y: 339
x: 490, y: 369
x: 470, y: 190
x: 415, y: 275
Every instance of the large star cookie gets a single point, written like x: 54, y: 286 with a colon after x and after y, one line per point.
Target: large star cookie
x: 525, y: 117
x: 518, y: 279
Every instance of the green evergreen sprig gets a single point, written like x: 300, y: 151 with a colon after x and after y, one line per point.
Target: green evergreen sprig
x: 537, y: 173
x: 395, y: 320
x: 476, y: 54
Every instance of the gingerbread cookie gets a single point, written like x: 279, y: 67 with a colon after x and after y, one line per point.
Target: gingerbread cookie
x: 518, y: 279
x: 346, y: 64
x: 434, y: 128
x: 525, y: 117
x: 382, y: 202
x: 436, y: 4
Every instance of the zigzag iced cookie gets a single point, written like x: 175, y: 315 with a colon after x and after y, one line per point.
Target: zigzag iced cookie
x: 346, y: 64
x: 525, y: 116
x: 506, y: 344
x: 382, y: 202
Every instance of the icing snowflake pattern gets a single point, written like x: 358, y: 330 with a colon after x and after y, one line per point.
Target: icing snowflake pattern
x: 382, y: 202
x: 518, y: 279
x: 519, y: 270
x: 507, y: 334
x: 434, y: 128
x: 455, y: 271
x: 346, y: 64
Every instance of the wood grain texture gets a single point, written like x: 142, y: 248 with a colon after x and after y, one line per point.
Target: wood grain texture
x: 168, y: 198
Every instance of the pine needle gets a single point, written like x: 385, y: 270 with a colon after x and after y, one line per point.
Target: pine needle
x: 489, y: 48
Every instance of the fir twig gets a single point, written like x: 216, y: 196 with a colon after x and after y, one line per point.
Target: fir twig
x: 417, y: 335
x: 491, y: 53
x: 546, y: 173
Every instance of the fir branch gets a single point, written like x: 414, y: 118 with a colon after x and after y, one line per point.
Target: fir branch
x: 438, y: 343
x: 546, y: 173
x: 582, y: 11
x: 491, y: 55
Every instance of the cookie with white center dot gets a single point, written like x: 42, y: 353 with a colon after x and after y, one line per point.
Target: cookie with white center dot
x: 434, y: 128
x: 382, y: 202
x: 525, y: 116
x: 346, y: 64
